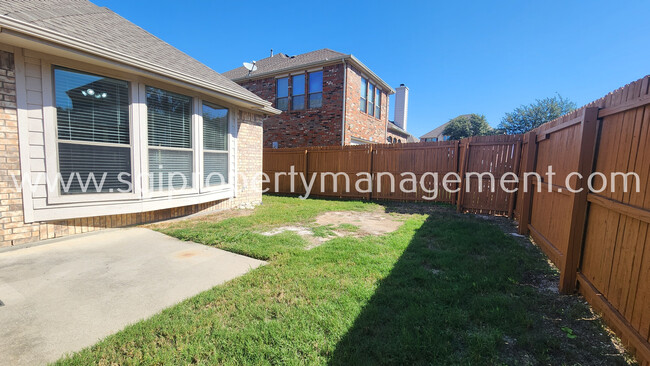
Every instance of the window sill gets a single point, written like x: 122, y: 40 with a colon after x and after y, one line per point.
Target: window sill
x: 56, y: 198
x: 130, y: 206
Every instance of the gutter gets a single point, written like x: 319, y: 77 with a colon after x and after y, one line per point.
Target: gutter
x: 9, y: 25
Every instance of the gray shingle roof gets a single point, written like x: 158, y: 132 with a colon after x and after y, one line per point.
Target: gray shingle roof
x: 281, y: 61
x: 88, y: 22
x: 395, y: 128
x: 438, y: 130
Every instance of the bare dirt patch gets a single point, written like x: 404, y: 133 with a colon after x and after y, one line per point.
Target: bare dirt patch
x: 368, y: 223
x: 336, y: 224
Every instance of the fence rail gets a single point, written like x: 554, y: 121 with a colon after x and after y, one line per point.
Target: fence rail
x: 377, y: 170
x: 600, y: 240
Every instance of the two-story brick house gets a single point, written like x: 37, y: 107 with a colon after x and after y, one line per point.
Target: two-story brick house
x: 327, y: 98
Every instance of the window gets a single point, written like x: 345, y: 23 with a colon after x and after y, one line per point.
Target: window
x: 371, y: 99
x: 170, y: 139
x: 316, y: 89
x: 215, y: 145
x: 282, y: 94
x: 378, y: 104
x: 93, y: 133
x: 364, y: 95
x: 298, y: 93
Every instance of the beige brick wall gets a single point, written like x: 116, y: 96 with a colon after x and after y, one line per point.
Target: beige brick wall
x: 13, y: 229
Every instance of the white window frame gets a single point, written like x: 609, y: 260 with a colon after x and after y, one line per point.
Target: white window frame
x: 54, y: 195
x: 196, y: 169
x: 232, y: 140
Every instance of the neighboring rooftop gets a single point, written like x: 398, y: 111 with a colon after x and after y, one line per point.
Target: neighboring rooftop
x: 395, y: 128
x: 438, y: 130
x: 100, y: 27
x: 280, y: 63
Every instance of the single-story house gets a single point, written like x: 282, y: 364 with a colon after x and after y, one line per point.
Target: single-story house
x: 103, y: 124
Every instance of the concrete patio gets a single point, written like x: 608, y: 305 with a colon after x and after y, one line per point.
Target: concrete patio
x: 66, y: 294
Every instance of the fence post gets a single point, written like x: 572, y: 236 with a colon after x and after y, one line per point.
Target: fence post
x: 454, y: 196
x: 526, y: 193
x: 586, y: 157
x: 306, y: 170
x: 513, y: 195
x: 371, y: 186
x: 463, y: 167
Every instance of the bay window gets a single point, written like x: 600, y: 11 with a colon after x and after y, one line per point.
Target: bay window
x: 215, y: 144
x: 93, y: 133
x: 169, y: 121
x: 316, y: 89
x: 298, y: 92
x: 124, y: 139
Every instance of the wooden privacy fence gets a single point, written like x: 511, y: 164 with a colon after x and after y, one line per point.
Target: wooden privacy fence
x: 387, y: 172
x: 598, y: 238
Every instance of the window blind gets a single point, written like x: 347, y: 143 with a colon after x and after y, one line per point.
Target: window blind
x: 215, y: 144
x: 92, y: 120
x: 170, y: 169
x: 169, y: 120
x: 83, y: 168
x: 215, y: 127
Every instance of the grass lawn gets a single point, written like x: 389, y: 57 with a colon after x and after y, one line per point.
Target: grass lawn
x: 442, y: 289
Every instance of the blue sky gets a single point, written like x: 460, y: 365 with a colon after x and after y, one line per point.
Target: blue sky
x: 456, y: 57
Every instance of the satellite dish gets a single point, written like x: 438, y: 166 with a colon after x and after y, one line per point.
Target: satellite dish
x: 250, y: 66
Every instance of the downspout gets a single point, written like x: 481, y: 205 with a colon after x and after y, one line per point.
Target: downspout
x: 345, y: 88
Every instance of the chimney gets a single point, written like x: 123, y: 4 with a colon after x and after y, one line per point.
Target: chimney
x: 401, y: 105
x: 271, y: 52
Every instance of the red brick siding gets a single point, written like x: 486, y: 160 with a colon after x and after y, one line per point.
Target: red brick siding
x: 309, y: 127
x: 359, y: 124
x: 13, y: 229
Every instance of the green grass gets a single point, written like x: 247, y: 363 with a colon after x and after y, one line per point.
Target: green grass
x: 442, y: 289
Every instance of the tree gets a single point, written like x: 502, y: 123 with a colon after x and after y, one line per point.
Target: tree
x: 467, y: 125
x: 527, y: 117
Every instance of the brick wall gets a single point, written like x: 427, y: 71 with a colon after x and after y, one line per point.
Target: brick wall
x: 249, y: 159
x: 359, y: 124
x: 13, y: 229
x: 396, y: 136
x: 309, y: 127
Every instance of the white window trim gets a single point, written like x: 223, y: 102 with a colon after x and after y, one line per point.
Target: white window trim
x: 54, y: 195
x: 151, y: 193
x: 229, y: 185
x: 59, y: 207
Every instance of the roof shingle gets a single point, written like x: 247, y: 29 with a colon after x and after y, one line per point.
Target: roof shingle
x: 88, y: 22
x: 281, y: 61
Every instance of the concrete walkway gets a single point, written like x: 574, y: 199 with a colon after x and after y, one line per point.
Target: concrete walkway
x: 67, y: 294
